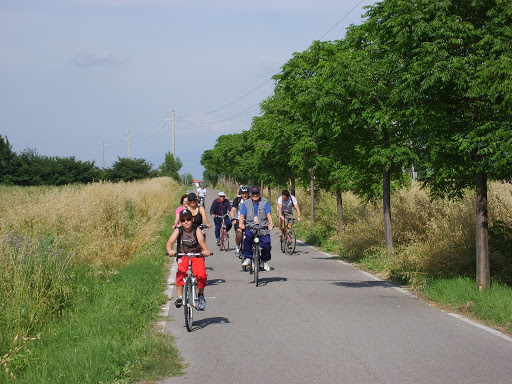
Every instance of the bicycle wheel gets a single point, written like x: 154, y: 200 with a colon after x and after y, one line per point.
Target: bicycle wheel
x: 222, y: 238
x: 283, y: 243
x: 256, y: 264
x: 188, y: 304
x: 226, y: 243
x: 291, y: 241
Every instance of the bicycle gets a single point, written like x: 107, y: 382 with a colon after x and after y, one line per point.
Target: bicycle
x: 224, y: 235
x: 201, y: 201
x: 289, y: 239
x: 190, y: 291
x: 256, y: 253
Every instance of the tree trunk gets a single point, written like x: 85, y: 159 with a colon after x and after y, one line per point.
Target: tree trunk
x: 312, y: 186
x: 339, y: 209
x: 261, y: 187
x: 483, y: 273
x: 269, y: 198
x: 386, y: 202
x: 292, y: 186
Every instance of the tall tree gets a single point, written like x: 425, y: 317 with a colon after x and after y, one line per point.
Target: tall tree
x: 171, y: 167
x: 459, y: 75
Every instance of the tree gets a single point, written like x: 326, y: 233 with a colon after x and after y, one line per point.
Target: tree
x: 7, y: 161
x: 125, y: 169
x: 171, y: 167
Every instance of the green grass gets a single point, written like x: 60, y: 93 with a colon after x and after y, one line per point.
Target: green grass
x: 107, y: 333
x: 492, y: 306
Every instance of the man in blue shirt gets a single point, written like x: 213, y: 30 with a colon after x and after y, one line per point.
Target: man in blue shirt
x: 256, y: 212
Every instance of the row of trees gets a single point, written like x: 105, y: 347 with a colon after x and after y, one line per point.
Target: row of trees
x: 424, y: 84
x: 29, y: 168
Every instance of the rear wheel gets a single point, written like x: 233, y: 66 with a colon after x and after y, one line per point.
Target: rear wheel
x: 291, y: 241
x: 188, y: 298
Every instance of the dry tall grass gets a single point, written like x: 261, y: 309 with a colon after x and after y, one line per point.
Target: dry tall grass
x: 432, y: 237
x: 102, y: 224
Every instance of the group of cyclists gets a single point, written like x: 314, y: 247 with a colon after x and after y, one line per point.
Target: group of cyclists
x: 249, y: 208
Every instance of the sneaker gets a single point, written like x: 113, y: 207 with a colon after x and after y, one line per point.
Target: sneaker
x: 246, y: 262
x: 178, y: 302
x: 202, y: 303
x: 237, y: 251
x: 218, y: 242
x: 266, y: 267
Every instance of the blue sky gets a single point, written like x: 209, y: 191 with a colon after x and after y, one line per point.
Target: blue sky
x: 78, y: 73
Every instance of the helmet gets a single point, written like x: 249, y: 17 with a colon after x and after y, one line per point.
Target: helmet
x: 244, y: 189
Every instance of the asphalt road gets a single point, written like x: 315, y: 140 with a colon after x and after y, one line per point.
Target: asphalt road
x: 318, y: 320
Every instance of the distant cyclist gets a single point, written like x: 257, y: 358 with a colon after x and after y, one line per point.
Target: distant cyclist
x: 285, y: 204
x: 253, y: 211
x: 235, y: 215
x: 218, y: 209
x: 201, y: 193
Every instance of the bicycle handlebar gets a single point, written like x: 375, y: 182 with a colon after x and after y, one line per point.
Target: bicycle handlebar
x: 190, y: 254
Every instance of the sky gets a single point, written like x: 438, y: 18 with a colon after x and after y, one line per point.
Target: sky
x: 98, y: 79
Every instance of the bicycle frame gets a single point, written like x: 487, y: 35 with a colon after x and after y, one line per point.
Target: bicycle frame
x: 256, y: 252
x: 224, y: 235
x: 288, y: 240
x: 190, y: 291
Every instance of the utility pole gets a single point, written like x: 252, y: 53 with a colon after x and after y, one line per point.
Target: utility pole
x: 173, y: 135
x: 129, y: 144
x: 173, y: 130
x: 103, y: 153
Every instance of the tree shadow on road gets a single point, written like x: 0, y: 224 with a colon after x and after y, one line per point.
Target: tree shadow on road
x: 215, y: 282
x: 364, y: 284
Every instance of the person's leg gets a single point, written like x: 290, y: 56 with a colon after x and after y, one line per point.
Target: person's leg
x: 247, y: 251
x: 217, y: 228
x: 265, y: 248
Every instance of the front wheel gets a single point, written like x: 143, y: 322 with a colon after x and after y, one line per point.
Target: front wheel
x: 188, y: 298
x: 291, y: 241
x: 256, y: 264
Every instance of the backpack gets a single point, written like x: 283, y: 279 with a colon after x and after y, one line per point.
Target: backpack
x: 179, y: 241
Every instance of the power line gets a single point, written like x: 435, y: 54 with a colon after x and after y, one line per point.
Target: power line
x: 340, y: 20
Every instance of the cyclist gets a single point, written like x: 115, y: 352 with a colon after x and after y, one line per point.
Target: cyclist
x: 183, y: 205
x: 256, y: 210
x: 201, y: 192
x: 199, y: 215
x: 218, y: 209
x: 285, y: 204
x: 235, y: 215
x: 190, y: 239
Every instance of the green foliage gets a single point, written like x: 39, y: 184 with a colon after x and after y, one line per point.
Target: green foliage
x: 7, y: 159
x: 171, y: 167
x: 125, y: 169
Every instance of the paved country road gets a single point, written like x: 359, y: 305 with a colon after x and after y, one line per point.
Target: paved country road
x: 318, y: 320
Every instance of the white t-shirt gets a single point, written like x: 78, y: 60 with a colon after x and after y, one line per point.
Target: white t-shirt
x: 201, y: 192
x: 287, y: 204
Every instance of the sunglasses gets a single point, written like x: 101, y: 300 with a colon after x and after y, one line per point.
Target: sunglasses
x: 183, y: 220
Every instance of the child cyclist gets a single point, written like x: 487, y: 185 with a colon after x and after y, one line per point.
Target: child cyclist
x: 190, y: 240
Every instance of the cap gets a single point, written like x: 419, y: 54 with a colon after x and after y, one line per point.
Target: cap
x: 191, y: 196
x: 255, y: 189
x: 186, y: 213
x: 222, y: 194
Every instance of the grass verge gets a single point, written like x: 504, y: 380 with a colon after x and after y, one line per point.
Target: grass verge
x: 108, y: 332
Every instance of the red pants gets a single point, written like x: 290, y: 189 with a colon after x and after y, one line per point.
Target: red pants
x: 198, y: 269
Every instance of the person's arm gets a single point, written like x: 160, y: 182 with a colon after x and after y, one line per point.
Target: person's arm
x: 213, y: 208
x: 171, y: 241
x: 241, y: 222
x: 296, y: 204
x: 202, y: 243
x: 204, y: 216
x: 268, y: 211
